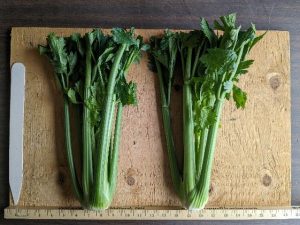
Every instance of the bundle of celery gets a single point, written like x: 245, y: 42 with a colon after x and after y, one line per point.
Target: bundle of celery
x: 91, y: 72
x: 211, y: 66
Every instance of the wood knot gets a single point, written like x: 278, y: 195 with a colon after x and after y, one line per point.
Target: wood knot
x: 130, y: 180
x: 274, y: 81
x: 211, y: 189
x: 266, y: 180
x: 129, y: 176
x: 61, y: 177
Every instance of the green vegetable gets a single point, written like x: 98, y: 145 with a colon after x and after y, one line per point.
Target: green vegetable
x: 211, y: 66
x: 91, y: 73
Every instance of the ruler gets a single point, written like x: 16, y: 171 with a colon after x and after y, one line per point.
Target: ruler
x: 154, y: 214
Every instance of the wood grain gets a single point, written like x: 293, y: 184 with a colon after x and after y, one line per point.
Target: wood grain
x: 266, y: 14
x: 253, y: 157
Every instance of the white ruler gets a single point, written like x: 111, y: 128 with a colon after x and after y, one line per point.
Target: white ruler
x: 152, y: 214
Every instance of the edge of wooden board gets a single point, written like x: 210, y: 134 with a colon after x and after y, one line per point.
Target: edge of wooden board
x: 136, y: 28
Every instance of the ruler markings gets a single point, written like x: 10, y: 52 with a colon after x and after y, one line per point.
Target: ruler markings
x: 144, y: 214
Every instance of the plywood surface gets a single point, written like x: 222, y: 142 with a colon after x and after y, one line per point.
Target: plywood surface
x: 252, y: 164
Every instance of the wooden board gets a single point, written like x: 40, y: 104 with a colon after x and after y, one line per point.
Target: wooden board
x: 252, y: 165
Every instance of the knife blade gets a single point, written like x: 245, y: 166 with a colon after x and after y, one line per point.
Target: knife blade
x: 17, y: 96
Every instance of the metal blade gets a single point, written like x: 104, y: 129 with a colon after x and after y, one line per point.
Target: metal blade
x: 17, y: 95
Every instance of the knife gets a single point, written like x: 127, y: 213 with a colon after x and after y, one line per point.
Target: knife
x: 17, y: 95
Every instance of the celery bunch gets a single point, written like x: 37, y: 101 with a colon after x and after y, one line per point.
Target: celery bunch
x: 91, y: 73
x: 211, y: 66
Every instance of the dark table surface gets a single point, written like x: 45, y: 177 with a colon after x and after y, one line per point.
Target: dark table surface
x: 266, y: 14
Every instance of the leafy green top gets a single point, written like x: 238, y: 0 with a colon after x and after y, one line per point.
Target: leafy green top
x: 218, y: 61
x: 68, y: 54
